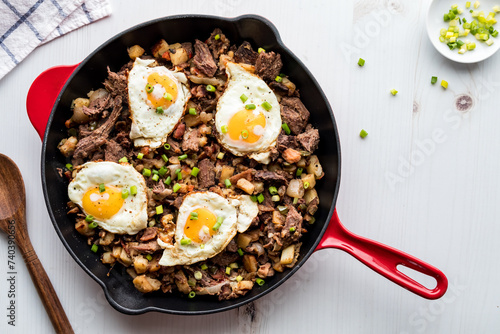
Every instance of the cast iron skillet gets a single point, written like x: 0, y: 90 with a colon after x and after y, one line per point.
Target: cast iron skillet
x: 48, y: 104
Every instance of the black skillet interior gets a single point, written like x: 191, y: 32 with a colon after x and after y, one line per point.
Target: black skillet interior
x: 90, y: 74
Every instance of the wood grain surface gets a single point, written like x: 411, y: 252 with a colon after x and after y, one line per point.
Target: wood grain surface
x: 425, y: 180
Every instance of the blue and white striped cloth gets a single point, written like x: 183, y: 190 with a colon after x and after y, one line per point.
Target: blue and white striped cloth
x: 26, y: 24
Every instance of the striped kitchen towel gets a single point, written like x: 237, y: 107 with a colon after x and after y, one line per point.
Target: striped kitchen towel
x: 26, y: 24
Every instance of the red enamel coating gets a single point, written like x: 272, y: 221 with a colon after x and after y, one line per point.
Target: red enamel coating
x: 383, y: 259
x: 379, y: 257
x: 43, y: 94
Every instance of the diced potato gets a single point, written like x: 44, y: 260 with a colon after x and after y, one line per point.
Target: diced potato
x: 314, y: 167
x: 154, y: 265
x: 108, y: 258
x: 290, y: 85
x: 117, y: 250
x: 203, y: 141
x: 245, y: 285
x: 278, y: 267
x: 310, y: 194
x: 78, y: 114
x: 135, y: 51
x: 259, y: 187
x: 243, y: 240
x: 310, y: 179
x: 107, y: 239
x: 302, y: 163
x: 125, y: 258
x: 206, y: 117
x: 295, y: 188
x: 68, y: 146
x: 179, y: 56
x: 287, y: 255
x: 246, y: 186
x: 159, y: 48
x: 278, y: 218
x: 140, y: 264
x: 83, y: 228
x: 192, y: 120
x: 146, y: 284
x: 226, y: 173
x: 250, y: 263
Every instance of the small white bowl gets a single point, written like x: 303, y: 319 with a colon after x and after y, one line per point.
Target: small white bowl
x: 435, y: 23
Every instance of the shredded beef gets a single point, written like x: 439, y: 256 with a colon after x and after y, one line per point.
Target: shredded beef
x: 245, y: 54
x: 206, y: 176
x: 268, y: 65
x: 285, y: 142
x: 232, y: 246
x: 199, y: 91
x: 294, y: 113
x: 145, y: 247
x: 191, y: 140
x: 179, y: 130
x: 225, y: 292
x: 203, y: 59
x: 224, y: 259
x: 116, y: 84
x: 175, y: 147
x: 313, y: 206
x: 149, y: 234
x: 309, y: 139
x: 218, y: 46
x: 272, y: 177
x: 113, y: 151
x: 293, y: 219
x: 281, y: 89
x: 97, y: 106
x: 178, y: 201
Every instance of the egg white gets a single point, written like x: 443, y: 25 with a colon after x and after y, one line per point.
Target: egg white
x: 132, y: 216
x: 148, y: 127
x: 241, y: 82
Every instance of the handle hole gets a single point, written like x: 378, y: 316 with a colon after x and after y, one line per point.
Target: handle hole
x: 428, y: 281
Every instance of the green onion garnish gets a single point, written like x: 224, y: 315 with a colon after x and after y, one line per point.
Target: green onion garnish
x: 198, y: 275
x: 102, y: 188
x: 243, y: 98
x: 278, y: 79
x: 220, y: 156
x: 275, y: 198
x: 92, y: 225
x: 155, y: 171
x: 312, y: 220
x: 244, y: 134
x: 259, y: 50
x: 149, y: 88
x: 204, y: 266
x: 240, y: 251
x: 146, y: 172
x: 306, y: 185
x: 140, y: 156
x: 69, y: 167
x: 292, y: 229
x: 163, y: 170
x: 361, y: 62
x: 149, y: 257
x: 166, y: 146
x: 260, y: 281
x: 394, y: 92
x: 234, y: 265
x: 260, y: 198
x: 168, y: 180
x: 266, y: 105
x: 176, y: 187
x: 217, y: 37
x: 295, y: 200
x: 434, y: 80
x: 250, y: 106
x: 168, y: 97
x: 227, y: 183
x: 193, y: 215
x: 285, y: 128
x: 125, y: 193
x: 192, y: 111
x: 94, y: 248
x: 159, y: 209
x: 195, y: 171
x: 133, y: 190
x: 218, y: 223
x: 239, y: 278
x: 210, y: 88
x: 164, y: 157
x: 224, y: 129
x: 253, y: 198
x: 192, y: 294
x: 299, y: 171
x: 177, y: 171
x: 89, y: 219
x: 444, y: 84
x: 273, y: 190
x: 159, y: 110
x: 182, y: 157
x: 124, y: 159
x: 228, y: 270
x: 363, y: 134
x: 155, y: 177
x: 185, y: 241
x: 179, y: 176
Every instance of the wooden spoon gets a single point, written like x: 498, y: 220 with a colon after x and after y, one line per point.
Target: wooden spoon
x: 13, y: 221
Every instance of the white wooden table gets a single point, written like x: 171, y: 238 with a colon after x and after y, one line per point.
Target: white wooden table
x: 444, y: 208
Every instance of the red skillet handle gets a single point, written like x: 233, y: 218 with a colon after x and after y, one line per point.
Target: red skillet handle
x: 43, y: 94
x: 383, y: 259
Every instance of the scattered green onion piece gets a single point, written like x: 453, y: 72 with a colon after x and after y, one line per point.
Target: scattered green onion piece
x: 266, y: 105
x: 243, y: 98
x: 278, y: 78
x: 163, y: 170
x: 155, y: 177
x: 89, y: 219
x: 224, y: 129
x: 69, y: 167
x: 182, y: 157
x: 444, y: 84
x: 193, y: 216
x: 260, y: 281
x: 133, y: 190
x: 102, y: 188
x: 306, y: 185
x: 202, y: 246
x: 125, y: 193
x: 292, y: 229
x: 312, y: 220
x: 195, y: 171
x: 168, y: 180
x: 192, y: 294
x: 177, y: 171
x: 149, y: 257
x: 218, y: 223
x: 166, y: 146
x: 220, y: 156
x: 299, y: 171
x: 227, y: 183
x: 164, y: 157
x: 159, y: 209
x: 146, y: 172
x: 185, y: 241
x: 273, y: 190
x: 149, y: 88
x: 159, y: 110
x: 275, y: 198
x: 179, y: 176
x: 234, y: 265
x: 394, y: 92
x: 140, y: 156
x: 250, y: 106
x: 260, y: 198
x: 198, y: 275
x: 191, y: 282
x: 176, y: 187
x: 494, y: 34
x: 192, y: 111
x: 94, y: 248
x: 434, y: 80
x: 239, y: 278
x: 228, y: 270
x: 282, y: 75
x: 217, y: 37
x: 204, y: 266
x: 285, y: 128
x: 92, y: 225
x: 295, y: 200
x: 363, y: 134
x: 240, y: 251
x: 168, y: 97
x: 259, y: 50
x: 210, y: 88
x: 361, y: 62
x: 155, y: 172
x: 253, y: 198
x: 244, y: 134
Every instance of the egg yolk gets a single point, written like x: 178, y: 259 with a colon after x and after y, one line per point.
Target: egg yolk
x: 102, y: 205
x: 247, y: 126
x: 198, y: 230
x: 162, y: 86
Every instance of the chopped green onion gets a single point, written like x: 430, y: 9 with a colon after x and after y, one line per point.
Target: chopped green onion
x: 155, y: 172
x: 191, y: 294
x: 179, y: 176
x: 163, y: 170
x: 259, y: 50
x: 217, y: 37
x: 240, y: 251
x: 250, y: 106
x: 155, y: 177
x: 133, y: 190
x: 166, y: 146
x: 494, y: 34
x: 363, y: 134
x: 273, y: 190
x: 292, y: 229
x: 312, y: 220
x: 204, y: 266
x: 306, y: 185
x: 94, y: 248
x: 193, y: 216
x: 266, y: 105
x: 434, y: 80
x: 146, y: 172
x: 192, y: 111
x: 164, y: 157
x: 168, y: 180
x: 159, y: 110
x: 198, y: 275
x: 92, y: 225
x: 224, y: 129
x: 125, y: 193
x: 253, y: 198
x: 191, y: 282
x: 202, y: 246
x: 361, y: 62
x: 168, y: 97
x: 295, y: 200
x: 444, y: 84
x: 278, y: 79
x: 140, y: 156
x: 228, y: 270
x: 182, y: 157
x: 176, y: 187
x: 260, y: 281
x: 471, y: 46
x: 124, y: 159
x: 218, y: 223
x: 89, y: 219
x: 260, y: 198
x: 69, y: 167
x: 244, y: 134
x: 102, y: 188
x: 195, y: 171
x: 282, y: 75
x: 227, y: 183
x: 239, y: 278
x: 220, y: 156
x: 285, y: 128
x: 234, y: 265
x: 243, y: 98
x: 149, y: 88
x: 210, y: 88
x: 275, y: 198
x: 159, y: 209
x: 299, y: 171
x: 394, y: 92
x: 149, y: 257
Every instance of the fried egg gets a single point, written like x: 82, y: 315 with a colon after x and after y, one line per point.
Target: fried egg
x: 157, y: 100
x: 206, y: 223
x: 247, y: 118
x: 105, y: 190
